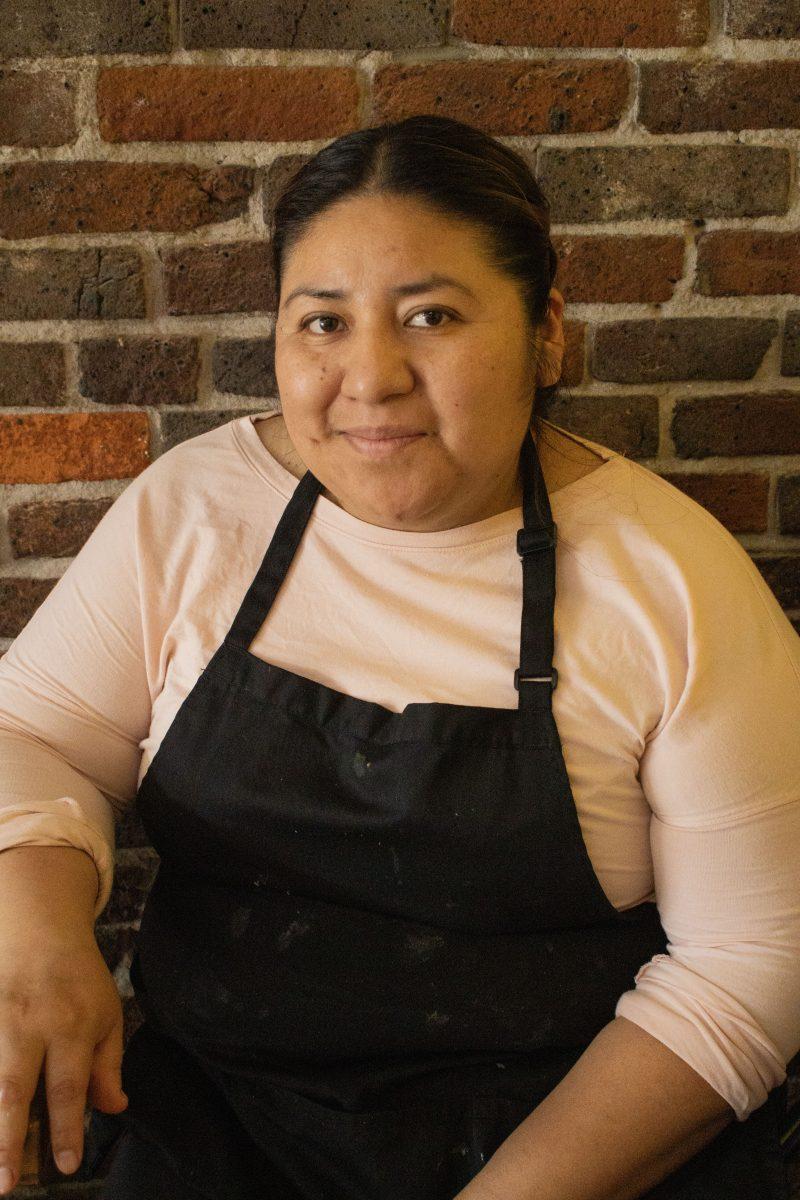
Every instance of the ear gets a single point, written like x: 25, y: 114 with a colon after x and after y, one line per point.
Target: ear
x: 552, y: 344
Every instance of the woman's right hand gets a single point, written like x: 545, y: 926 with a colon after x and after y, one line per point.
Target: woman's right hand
x: 61, y: 1014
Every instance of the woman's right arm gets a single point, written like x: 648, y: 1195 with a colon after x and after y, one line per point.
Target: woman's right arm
x: 60, y: 1010
x: 76, y: 690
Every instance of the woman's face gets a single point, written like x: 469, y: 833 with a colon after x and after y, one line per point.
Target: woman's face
x: 449, y: 363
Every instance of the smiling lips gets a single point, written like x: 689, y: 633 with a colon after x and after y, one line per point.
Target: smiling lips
x: 381, y: 432
x: 379, y: 441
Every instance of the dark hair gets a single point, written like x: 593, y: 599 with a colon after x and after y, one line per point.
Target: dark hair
x: 456, y: 169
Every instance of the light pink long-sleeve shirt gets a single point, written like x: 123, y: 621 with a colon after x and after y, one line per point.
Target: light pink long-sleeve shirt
x: 678, y: 703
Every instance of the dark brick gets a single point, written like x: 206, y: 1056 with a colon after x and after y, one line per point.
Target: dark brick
x: 508, y: 97
x: 174, y: 103
x: 140, y: 371
x: 134, y: 873
x: 627, y: 424
x: 53, y: 529
x: 38, y: 27
x: 37, y: 109
x: 180, y: 426
x: 790, y: 357
x: 53, y: 447
x: 782, y: 573
x: 42, y: 198
x: 297, y: 24
x: 681, y: 348
x: 90, y: 284
x: 749, y: 424
x: 680, y: 97
x: 739, y: 501
x: 573, y: 367
x: 789, y: 504
x: 132, y: 1016
x: 746, y: 262
x: 19, y: 599
x: 582, y: 23
x: 226, y: 278
x: 276, y: 176
x: 614, y: 270
x: 763, y: 19
x: 245, y: 366
x: 130, y: 831
x: 604, y: 183
x: 32, y: 373
x: 115, y: 942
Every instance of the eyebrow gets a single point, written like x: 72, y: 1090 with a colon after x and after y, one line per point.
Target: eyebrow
x: 402, y: 289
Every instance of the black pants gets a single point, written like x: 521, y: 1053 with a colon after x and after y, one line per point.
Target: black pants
x: 141, y: 1171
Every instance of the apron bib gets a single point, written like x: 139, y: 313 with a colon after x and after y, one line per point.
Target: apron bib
x: 375, y: 941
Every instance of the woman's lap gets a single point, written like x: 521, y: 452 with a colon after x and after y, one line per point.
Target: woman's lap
x: 140, y: 1170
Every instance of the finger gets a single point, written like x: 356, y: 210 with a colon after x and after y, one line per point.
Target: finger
x: 20, y: 1066
x: 68, y: 1061
x: 105, y: 1080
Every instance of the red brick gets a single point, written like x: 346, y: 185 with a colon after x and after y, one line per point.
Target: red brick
x: 37, y: 109
x: 140, y: 371
x: 229, y: 277
x: 679, y: 97
x: 652, y: 351
x: 598, y: 270
x: 296, y: 24
x: 738, y: 500
x: 42, y: 198
x: 32, y: 373
x: 508, y: 97
x: 618, y: 183
x: 743, y: 424
x: 582, y: 23
x: 748, y: 262
x: 627, y: 424
x: 54, y: 529
x: 213, y: 104
x: 52, y: 447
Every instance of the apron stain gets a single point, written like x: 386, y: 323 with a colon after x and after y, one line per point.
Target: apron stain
x: 239, y: 921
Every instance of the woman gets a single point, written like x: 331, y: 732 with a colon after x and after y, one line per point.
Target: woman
x: 379, y: 960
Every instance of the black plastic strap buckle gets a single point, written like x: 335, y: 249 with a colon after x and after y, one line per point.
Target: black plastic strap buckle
x: 552, y: 679
x: 531, y: 540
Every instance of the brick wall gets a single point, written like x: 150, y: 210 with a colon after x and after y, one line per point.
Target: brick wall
x: 142, y: 145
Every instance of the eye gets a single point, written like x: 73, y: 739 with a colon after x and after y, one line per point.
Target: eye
x: 422, y: 312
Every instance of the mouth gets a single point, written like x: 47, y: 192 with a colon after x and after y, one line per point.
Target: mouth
x: 382, y: 442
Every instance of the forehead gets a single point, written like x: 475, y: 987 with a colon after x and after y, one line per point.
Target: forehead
x: 389, y: 245
x: 389, y: 232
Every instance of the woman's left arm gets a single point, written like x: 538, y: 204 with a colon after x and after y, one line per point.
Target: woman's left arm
x: 709, y: 1027
x: 627, y: 1114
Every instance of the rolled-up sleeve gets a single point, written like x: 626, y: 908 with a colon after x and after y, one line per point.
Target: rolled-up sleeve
x: 721, y: 773
x: 75, y: 701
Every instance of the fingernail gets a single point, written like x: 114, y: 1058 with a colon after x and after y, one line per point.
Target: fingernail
x: 67, y: 1161
x: 6, y: 1179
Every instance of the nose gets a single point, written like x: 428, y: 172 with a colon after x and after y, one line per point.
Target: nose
x: 374, y: 364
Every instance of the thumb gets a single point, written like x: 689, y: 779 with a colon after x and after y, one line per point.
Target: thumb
x: 105, y: 1078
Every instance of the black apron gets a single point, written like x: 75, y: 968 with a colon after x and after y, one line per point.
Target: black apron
x: 375, y: 941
